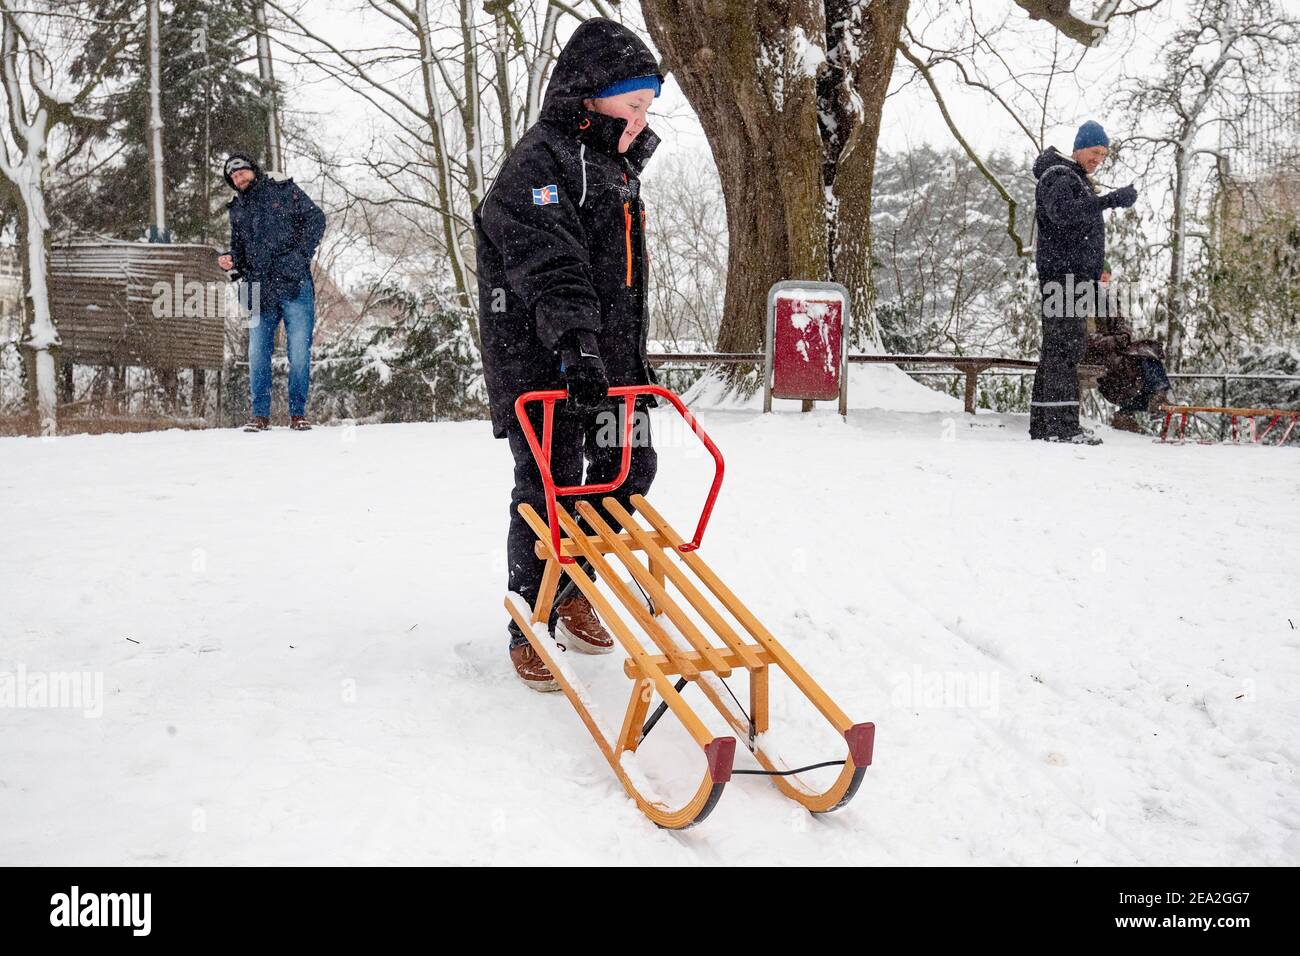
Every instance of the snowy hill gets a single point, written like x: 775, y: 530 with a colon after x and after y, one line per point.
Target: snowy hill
x: 1072, y: 655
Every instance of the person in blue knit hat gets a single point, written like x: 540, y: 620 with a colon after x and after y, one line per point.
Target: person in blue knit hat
x: 1069, y: 251
x: 563, y: 300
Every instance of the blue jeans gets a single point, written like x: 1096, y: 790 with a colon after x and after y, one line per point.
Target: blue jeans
x: 1154, y: 380
x: 299, y: 316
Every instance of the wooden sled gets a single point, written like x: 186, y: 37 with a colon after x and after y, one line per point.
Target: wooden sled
x: 656, y: 557
x: 1274, y: 415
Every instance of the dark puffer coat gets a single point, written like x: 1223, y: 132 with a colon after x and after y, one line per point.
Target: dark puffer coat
x: 561, y: 233
x: 274, y: 231
x: 1071, y: 230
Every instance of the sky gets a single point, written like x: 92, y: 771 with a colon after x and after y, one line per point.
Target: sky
x: 911, y: 117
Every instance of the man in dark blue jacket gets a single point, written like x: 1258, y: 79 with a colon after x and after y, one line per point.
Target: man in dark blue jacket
x: 274, y: 231
x: 1070, y: 249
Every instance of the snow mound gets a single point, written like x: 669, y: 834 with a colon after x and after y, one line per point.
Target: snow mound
x: 884, y: 387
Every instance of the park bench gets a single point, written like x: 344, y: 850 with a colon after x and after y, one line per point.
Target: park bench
x: 970, y: 365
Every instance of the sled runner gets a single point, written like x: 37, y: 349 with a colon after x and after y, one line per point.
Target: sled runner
x: 1274, y: 415
x: 658, y: 557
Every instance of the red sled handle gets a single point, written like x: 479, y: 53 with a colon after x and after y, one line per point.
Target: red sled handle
x: 542, y: 453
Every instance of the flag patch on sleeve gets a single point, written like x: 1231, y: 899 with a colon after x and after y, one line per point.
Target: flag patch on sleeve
x: 545, y: 195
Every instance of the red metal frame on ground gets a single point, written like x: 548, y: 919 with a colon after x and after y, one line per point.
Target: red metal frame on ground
x: 1274, y: 416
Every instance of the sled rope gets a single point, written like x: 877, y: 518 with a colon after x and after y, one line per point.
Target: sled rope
x: 661, y: 710
x: 681, y: 685
x: 786, y: 773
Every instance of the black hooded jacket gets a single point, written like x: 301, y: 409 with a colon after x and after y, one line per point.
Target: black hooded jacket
x: 561, y: 233
x: 1071, y: 230
x: 274, y: 231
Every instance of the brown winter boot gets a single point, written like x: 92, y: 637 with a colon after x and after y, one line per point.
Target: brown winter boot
x: 299, y: 423
x: 257, y: 423
x: 1127, y: 422
x: 532, y: 670
x: 578, y: 628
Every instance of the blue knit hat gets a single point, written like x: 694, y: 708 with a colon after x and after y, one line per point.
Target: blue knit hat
x: 650, y: 82
x: 1090, y: 134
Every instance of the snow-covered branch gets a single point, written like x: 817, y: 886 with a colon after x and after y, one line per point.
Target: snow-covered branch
x: 1088, y: 31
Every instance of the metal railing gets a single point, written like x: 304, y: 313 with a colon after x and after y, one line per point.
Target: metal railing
x: 1009, y: 366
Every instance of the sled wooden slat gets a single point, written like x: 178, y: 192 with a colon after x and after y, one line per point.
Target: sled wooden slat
x: 600, y: 544
x: 630, y: 601
x: 562, y: 679
x: 1228, y: 410
x: 633, y: 646
x: 665, y: 665
x: 546, y: 596
x: 586, y: 585
x: 829, y: 709
x: 683, y: 584
x: 758, y: 699
x: 860, y: 737
x: 629, y: 736
x: 711, y: 659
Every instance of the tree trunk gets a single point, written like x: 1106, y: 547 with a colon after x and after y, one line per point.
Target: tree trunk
x: 440, y: 159
x: 538, y: 68
x: 471, y: 115
x: 797, y: 185
x: 40, y: 337
x: 66, y: 382
x: 266, y: 72
x: 500, y: 56
x: 157, y: 184
x: 1176, y: 298
x: 852, y: 155
x: 198, y: 393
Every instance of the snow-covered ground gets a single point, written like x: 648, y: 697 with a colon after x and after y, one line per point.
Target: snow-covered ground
x: 1072, y: 655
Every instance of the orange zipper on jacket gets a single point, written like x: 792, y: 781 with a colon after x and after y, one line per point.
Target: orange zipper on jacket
x: 627, y: 236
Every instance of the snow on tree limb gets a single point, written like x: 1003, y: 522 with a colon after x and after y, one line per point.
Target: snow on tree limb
x: 1088, y: 31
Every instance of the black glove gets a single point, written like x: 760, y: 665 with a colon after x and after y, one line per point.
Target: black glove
x: 1123, y: 198
x: 584, y: 372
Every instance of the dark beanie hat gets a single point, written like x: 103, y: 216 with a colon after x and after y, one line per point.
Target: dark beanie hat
x: 648, y: 82
x: 236, y: 162
x: 1090, y: 134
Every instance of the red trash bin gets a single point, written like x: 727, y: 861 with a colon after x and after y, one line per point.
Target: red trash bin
x: 806, y: 353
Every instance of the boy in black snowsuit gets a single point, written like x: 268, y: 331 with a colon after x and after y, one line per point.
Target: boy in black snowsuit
x: 562, y: 297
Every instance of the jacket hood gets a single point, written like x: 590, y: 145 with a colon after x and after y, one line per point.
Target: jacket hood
x: 599, y: 54
x: 257, y: 170
x: 1051, y: 157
